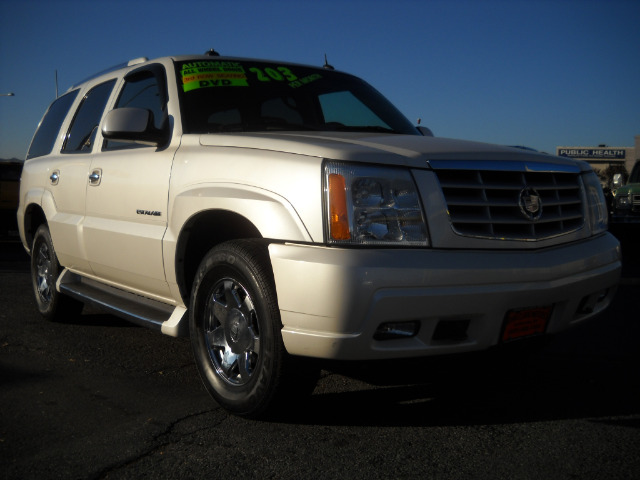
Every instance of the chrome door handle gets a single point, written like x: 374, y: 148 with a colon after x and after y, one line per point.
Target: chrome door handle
x: 55, y: 176
x: 94, y: 177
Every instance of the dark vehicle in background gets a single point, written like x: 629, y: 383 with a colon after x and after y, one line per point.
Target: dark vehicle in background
x: 624, y: 216
x: 10, y: 171
x: 625, y: 207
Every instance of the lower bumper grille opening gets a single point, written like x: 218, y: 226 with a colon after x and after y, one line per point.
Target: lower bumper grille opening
x: 392, y: 330
x: 451, y: 331
x: 591, y: 302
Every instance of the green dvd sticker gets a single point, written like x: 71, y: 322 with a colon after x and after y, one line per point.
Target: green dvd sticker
x: 197, y: 75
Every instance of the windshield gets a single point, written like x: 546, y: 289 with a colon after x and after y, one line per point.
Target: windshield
x: 250, y: 96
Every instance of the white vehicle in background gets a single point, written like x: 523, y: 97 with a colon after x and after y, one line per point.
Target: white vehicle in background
x: 274, y: 211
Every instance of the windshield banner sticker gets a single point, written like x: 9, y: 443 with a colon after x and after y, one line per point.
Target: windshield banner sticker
x: 283, y: 74
x: 197, y: 75
x: 304, y: 80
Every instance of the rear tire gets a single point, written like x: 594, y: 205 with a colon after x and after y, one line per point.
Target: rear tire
x: 45, y: 271
x: 234, y: 323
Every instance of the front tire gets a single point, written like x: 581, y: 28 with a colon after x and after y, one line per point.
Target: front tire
x: 45, y: 271
x: 234, y: 324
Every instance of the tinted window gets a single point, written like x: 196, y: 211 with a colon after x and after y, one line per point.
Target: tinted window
x: 47, y: 132
x: 244, y: 96
x: 344, y: 108
x: 85, y: 123
x: 142, y: 90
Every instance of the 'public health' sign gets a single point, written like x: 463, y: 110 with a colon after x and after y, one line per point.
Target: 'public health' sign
x: 593, y: 153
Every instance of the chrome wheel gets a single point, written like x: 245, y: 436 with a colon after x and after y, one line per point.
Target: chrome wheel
x: 235, y: 330
x: 232, y: 334
x: 44, y: 273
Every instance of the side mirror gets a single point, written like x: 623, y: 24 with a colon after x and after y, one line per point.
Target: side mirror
x: 132, y: 125
x: 425, y: 131
x: 617, y: 181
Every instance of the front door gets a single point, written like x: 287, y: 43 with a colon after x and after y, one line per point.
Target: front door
x: 127, y: 197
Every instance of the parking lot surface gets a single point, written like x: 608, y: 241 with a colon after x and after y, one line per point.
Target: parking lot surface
x: 96, y: 397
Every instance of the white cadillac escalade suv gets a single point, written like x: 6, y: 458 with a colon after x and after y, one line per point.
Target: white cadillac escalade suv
x: 274, y: 211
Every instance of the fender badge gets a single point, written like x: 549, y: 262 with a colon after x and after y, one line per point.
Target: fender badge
x: 152, y: 213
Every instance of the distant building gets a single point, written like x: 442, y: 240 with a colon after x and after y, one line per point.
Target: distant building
x: 604, y: 159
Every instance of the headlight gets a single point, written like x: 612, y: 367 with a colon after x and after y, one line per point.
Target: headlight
x: 622, y: 201
x: 371, y: 205
x: 598, y: 217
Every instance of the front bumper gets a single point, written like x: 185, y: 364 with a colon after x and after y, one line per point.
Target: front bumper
x: 333, y: 300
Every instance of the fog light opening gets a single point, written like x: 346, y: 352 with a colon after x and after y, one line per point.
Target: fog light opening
x: 394, y: 330
x: 451, y: 330
x: 590, y: 302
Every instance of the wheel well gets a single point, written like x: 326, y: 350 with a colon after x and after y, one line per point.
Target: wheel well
x: 33, y: 217
x: 200, y: 234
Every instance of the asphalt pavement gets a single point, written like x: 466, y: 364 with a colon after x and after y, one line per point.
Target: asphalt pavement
x: 98, y: 398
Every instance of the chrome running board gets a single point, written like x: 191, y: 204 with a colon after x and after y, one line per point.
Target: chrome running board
x: 129, y: 306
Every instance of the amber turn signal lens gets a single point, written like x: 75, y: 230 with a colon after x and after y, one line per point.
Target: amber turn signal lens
x: 339, y: 218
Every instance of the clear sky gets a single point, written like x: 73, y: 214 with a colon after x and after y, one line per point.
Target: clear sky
x: 538, y: 73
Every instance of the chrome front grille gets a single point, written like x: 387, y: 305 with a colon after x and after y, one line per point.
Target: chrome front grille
x: 512, y: 205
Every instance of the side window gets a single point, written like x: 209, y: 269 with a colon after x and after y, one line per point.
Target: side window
x: 87, y: 118
x: 47, y: 132
x: 141, y: 90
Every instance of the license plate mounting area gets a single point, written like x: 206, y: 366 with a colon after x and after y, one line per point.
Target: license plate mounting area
x: 525, y: 322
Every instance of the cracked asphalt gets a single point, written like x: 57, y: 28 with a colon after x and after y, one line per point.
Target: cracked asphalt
x: 98, y: 398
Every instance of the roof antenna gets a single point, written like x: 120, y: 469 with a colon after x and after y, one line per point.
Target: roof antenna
x: 212, y: 53
x: 326, y: 64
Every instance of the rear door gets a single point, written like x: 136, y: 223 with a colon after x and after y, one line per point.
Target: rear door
x: 68, y: 170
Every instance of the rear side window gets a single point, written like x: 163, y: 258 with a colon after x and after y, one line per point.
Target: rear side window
x: 85, y: 123
x: 47, y: 131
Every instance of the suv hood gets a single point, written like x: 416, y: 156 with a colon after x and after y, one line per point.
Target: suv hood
x: 408, y: 150
x: 630, y: 188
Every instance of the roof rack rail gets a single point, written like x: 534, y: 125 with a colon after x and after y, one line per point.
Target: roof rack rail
x: 130, y: 63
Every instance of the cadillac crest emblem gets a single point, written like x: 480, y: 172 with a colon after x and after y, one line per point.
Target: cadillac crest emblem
x: 530, y: 203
